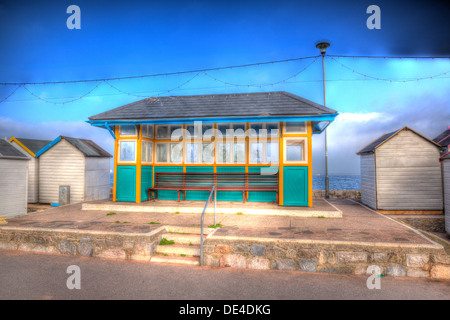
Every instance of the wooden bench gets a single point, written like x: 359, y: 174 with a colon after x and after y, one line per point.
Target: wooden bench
x: 185, y: 181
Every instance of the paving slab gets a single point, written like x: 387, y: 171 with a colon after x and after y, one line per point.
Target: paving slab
x: 358, y: 223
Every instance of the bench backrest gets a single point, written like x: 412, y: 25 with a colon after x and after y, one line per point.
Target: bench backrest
x: 207, y: 180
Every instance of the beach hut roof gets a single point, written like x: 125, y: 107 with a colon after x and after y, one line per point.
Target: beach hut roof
x: 387, y: 136
x: 32, y: 146
x: 8, y: 151
x: 444, y: 138
x: 87, y: 147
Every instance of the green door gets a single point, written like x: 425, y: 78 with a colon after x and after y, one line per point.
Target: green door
x: 295, y: 186
x: 126, y: 183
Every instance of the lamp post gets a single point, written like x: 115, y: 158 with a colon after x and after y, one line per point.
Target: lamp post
x: 323, y: 46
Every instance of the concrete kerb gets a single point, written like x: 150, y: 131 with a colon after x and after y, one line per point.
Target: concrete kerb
x: 181, y: 209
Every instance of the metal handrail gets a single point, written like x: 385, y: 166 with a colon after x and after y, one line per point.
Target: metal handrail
x: 213, y: 189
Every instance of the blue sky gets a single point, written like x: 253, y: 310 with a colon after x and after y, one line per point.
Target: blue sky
x: 125, y: 38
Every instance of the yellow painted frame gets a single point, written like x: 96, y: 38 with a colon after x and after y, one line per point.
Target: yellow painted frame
x: 13, y: 139
x: 282, y: 135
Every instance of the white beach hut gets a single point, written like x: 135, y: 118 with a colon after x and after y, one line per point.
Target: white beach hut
x: 13, y: 180
x: 445, y: 160
x: 30, y: 147
x: 400, y: 171
x: 79, y: 164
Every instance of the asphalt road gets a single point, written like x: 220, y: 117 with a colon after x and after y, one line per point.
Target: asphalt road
x: 40, y: 276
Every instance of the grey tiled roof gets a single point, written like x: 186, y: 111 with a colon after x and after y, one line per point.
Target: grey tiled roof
x: 371, y: 147
x: 88, y: 147
x: 443, y: 139
x: 34, y: 145
x: 219, y: 105
x: 8, y: 151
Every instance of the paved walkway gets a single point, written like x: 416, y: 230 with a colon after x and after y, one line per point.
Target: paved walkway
x: 358, y: 224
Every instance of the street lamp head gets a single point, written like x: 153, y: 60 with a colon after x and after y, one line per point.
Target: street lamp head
x: 323, y: 46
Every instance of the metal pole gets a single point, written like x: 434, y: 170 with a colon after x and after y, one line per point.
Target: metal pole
x: 215, y: 196
x: 327, y: 182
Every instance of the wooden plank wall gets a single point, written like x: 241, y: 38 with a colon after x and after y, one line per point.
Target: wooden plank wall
x: 408, y: 174
x: 368, y: 185
x: 60, y: 165
x: 13, y: 187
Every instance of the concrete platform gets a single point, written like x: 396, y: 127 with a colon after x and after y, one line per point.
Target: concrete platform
x: 321, y: 208
x: 362, y: 237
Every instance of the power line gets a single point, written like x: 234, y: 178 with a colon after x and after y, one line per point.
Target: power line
x: 438, y: 76
x: 261, y: 85
x: 156, y: 74
x: 387, y: 57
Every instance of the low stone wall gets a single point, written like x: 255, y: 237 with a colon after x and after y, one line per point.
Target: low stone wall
x: 338, y: 194
x: 125, y: 246
x: 327, y: 257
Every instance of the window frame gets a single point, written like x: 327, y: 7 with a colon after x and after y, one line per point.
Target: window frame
x: 146, y: 134
x: 285, y: 132
x: 231, y: 156
x: 142, y: 148
x: 119, y: 149
x: 304, y: 153
x: 128, y: 135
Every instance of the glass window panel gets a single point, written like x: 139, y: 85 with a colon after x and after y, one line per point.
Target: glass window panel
x: 176, y: 132
x: 295, y: 126
x: 272, y: 152
x: 272, y: 129
x: 207, y: 131
x: 256, y: 129
x: 208, y: 152
x: 191, y: 131
x: 127, y: 150
x: 223, y: 152
x: 128, y: 130
x: 144, y: 151
x: 147, y: 131
x: 150, y: 152
x: 239, y: 152
x: 224, y: 129
x: 256, y: 152
x: 192, y: 152
x: 239, y: 130
x: 161, y: 152
x: 162, y: 132
x: 176, y: 152
x: 294, y: 150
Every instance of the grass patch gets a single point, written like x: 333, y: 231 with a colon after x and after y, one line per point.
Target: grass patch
x: 182, y: 255
x: 165, y: 242
x: 215, y: 226
x: 152, y: 222
x: 177, y: 232
x: 190, y: 243
x: 111, y: 214
x: 126, y: 222
x: 177, y: 212
x: 321, y: 217
x: 117, y: 221
x: 239, y: 213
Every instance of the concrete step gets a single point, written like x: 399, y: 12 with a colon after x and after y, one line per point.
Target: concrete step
x: 184, y: 238
x: 177, y: 249
x: 189, y: 230
x: 194, y: 261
